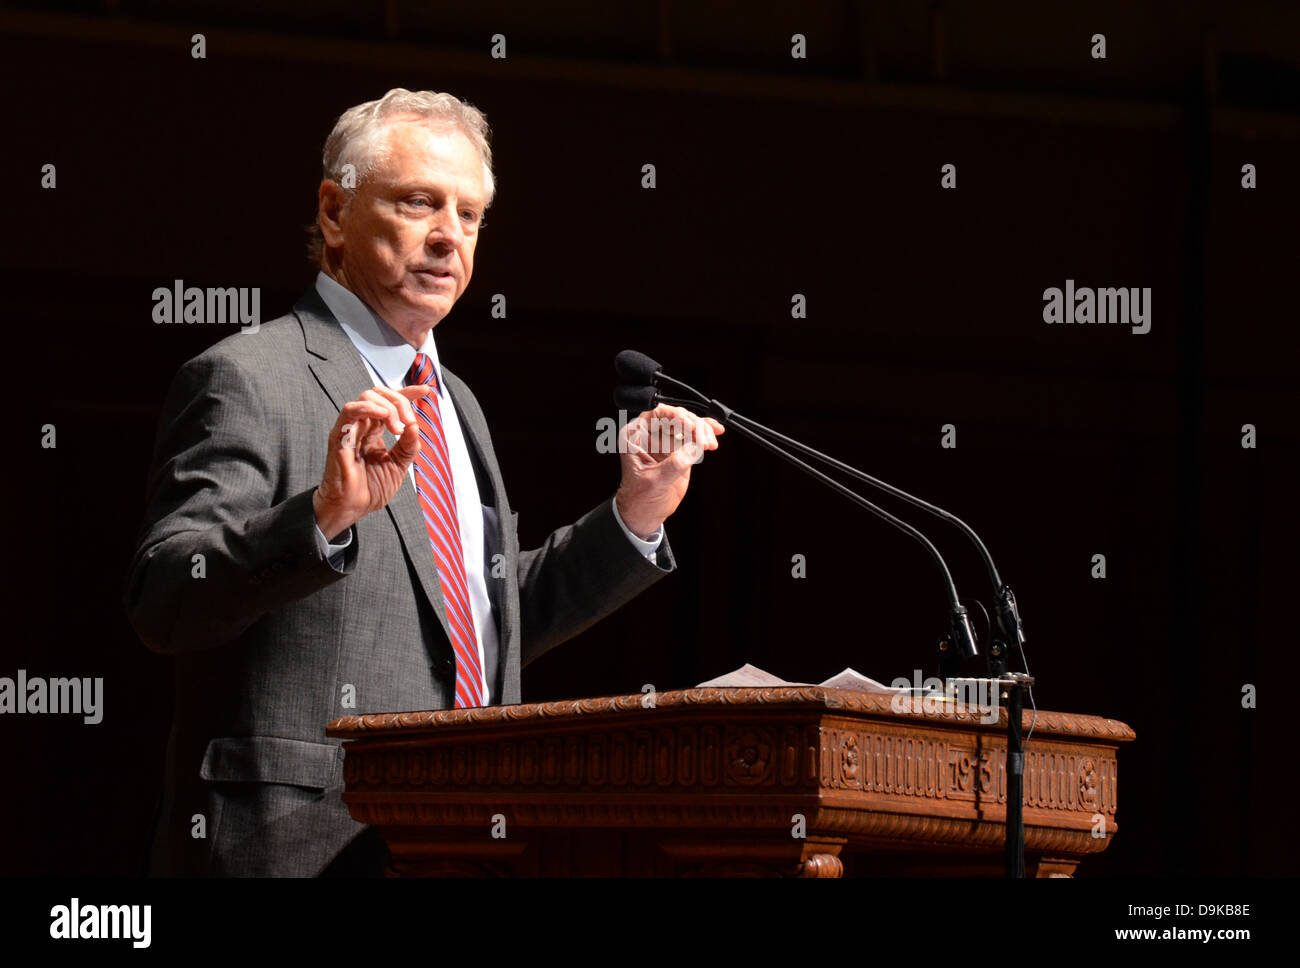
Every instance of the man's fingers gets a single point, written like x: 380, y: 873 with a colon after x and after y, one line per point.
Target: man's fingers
x: 701, y: 428
x: 665, y: 467
x: 358, y: 433
x: 356, y: 411
x: 406, y: 446
x: 666, y: 411
x: 392, y: 418
x: 667, y: 428
x: 683, y: 460
x: 367, y: 408
x: 690, y: 416
x: 353, y: 424
x: 347, y: 439
x: 405, y: 412
x: 416, y: 392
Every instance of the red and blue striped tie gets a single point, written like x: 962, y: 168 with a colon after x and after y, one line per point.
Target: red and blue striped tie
x: 438, y: 502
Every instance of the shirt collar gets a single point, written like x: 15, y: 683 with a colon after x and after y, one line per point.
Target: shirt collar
x: 380, y: 345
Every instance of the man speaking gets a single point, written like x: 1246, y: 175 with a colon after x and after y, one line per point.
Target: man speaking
x: 327, y: 528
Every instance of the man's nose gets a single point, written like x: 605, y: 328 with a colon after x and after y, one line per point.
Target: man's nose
x: 446, y: 228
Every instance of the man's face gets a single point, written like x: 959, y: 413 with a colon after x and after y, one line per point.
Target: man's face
x: 409, y: 232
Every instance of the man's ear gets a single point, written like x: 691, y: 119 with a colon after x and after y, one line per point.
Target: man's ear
x: 330, y: 200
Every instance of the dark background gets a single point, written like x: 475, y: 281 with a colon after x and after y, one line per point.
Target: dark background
x: 775, y: 176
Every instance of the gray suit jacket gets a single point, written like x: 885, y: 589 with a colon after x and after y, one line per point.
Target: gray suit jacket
x: 271, y: 641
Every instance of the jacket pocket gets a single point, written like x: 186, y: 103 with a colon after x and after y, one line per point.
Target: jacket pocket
x: 271, y: 759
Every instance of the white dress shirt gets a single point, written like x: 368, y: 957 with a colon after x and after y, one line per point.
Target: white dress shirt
x: 388, y: 359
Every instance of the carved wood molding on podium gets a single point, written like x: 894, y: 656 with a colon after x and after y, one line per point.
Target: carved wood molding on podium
x: 711, y: 781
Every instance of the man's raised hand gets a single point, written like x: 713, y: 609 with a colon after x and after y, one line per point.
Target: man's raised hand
x: 657, y: 451
x: 361, y: 473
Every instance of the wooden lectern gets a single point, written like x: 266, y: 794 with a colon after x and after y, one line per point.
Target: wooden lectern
x: 798, y: 781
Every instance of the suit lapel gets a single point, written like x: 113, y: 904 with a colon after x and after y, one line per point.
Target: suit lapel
x: 338, y: 368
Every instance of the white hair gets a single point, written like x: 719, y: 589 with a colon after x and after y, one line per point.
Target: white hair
x: 358, y: 139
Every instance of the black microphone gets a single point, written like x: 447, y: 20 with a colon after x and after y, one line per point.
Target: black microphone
x: 635, y: 399
x: 636, y: 368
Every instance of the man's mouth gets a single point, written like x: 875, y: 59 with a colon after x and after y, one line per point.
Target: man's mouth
x: 440, y: 278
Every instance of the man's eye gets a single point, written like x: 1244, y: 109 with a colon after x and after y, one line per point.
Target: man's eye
x: 469, y: 216
x: 417, y: 201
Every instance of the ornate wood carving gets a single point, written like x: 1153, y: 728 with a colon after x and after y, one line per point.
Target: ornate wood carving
x: 798, y: 771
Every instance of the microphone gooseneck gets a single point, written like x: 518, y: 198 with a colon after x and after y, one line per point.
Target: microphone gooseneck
x: 645, y: 377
